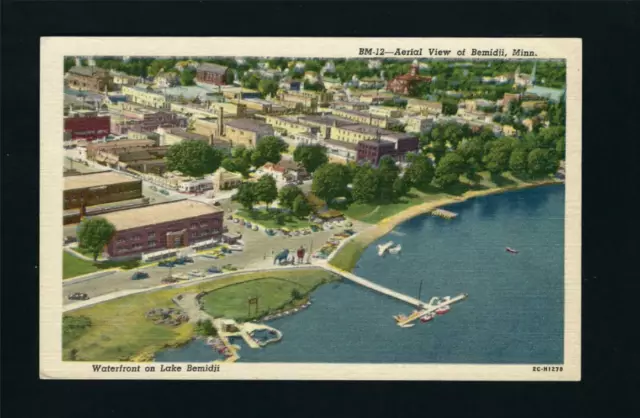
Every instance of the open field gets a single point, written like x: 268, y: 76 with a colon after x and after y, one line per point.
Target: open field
x: 273, y: 293
x: 120, y: 331
x: 346, y: 257
x: 73, y: 266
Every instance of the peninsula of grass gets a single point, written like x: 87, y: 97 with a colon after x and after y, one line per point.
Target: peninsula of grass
x: 119, y: 330
x: 273, y: 293
x: 267, y: 219
x: 73, y: 266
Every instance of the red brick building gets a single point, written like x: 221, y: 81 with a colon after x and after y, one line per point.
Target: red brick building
x: 397, y: 145
x: 212, y: 74
x: 87, y: 125
x: 163, y: 226
x: 403, y: 84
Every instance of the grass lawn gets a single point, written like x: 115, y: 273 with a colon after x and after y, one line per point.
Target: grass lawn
x: 73, y: 266
x: 349, y: 255
x: 120, y: 331
x: 374, y: 213
x: 267, y: 219
x: 273, y: 293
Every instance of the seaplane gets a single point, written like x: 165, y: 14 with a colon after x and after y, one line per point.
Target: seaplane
x: 396, y: 249
x: 511, y: 250
x: 383, y: 248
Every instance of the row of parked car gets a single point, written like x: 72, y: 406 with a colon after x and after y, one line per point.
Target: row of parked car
x: 178, y: 261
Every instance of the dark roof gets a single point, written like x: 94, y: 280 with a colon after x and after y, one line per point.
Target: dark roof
x: 377, y: 143
x: 182, y: 133
x: 213, y: 68
x: 246, y: 124
x: 86, y: 71
x: 326, y: 120
x: 343, y: 144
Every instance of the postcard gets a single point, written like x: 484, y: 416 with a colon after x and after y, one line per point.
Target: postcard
x: 311, y: 208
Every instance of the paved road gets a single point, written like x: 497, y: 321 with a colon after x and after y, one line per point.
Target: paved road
x: 258, y: 251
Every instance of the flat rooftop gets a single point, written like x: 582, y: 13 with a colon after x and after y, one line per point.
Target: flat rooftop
x: 105, y: 178
x: 157, y: 214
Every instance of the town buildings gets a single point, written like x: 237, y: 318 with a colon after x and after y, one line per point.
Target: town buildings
x: 213, y: 74
x: 87, y: 124
x: 158, y: 227
x: 405, y: 83
x: 246, y: 132
x: 424, y: 107
x: 99, y: 188
x: 89, y: 79
x: 148, y: 160
x: 225, y: 180
x: 396, y: 145
x: 145, y: 96
x: 365, y: 118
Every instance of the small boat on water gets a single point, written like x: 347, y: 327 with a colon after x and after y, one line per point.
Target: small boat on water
x: 443, y: 310
x: 395, y: 250
x: 428, y: 317
x: 383, y: 248
x: 511, y: 250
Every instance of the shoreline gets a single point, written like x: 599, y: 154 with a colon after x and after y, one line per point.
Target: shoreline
x: 361, y: 241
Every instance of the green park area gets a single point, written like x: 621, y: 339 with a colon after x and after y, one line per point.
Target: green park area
x: 73, y: 266
x: 373, y: 213
x: 268, y: 219
x: 118, y: 330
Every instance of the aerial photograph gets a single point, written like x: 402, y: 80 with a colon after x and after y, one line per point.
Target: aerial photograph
x: 249, y: 209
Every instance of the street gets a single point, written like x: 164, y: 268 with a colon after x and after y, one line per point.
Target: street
x: 258, y: 253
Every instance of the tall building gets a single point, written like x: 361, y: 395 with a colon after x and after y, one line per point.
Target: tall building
x: 404, y: 84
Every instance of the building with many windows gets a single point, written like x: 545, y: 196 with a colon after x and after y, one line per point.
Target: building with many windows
x: 212, y: 74
x: 163, y: 226
x: 99, y: 188
x: 86, y: 124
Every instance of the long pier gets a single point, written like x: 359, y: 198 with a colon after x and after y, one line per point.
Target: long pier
x: 374, y: 286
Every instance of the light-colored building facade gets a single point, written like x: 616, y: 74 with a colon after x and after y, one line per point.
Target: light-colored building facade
x: 145, y: 96
x: 424, y: 107
x: 246, y: 132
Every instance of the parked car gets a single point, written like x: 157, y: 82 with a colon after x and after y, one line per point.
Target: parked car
x: 196, y: 273
x: 166, y: 264
x: 78, y: 296
x: 214, y: 270
x: 139, y: 275
x: 185, y: 259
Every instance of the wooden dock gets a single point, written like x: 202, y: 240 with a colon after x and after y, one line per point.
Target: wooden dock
x: 443, y: 213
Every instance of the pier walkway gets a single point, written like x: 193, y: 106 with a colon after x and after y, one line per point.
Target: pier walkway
x: 373, y: 286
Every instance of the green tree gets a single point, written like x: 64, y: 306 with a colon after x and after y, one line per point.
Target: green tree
x: 68, y: 63
x: 301, y: 206
x: 310, y: 156
x: 401, y: 187
x: 246, y: 195
x: 239, y: 161
x: 269, y: 150
x: 187, y: 76
x: 518, y: 161
x: 420, y: 171
x: 287, y: 195
x: 193, y: 158
x: 205, y: 328
x: 229, y: 77
x: 266, y: 190
x: 449, y: 107
x: 560, y: 148
x: 267, y: 87
x: 449, y: 169
x: 388, y: 173
x: 497, y: 154
x: 94, y: 234
x: 542, y: 161
x: 365, y: 184
x: 330, y: 181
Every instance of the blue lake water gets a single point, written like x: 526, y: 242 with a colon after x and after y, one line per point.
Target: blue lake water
x: 514, y: 312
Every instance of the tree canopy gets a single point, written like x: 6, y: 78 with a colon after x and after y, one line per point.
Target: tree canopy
x: 420, y: 171
x: 330, y: 181
x: 310, y: 156
x: 287, y: 195
x: 449, y: 169
x: 193, y: 158
x: 94, y: 234
x: 266, y: 190
x: 365, y: 184
x: 246, y: 195
x: 268, y: 150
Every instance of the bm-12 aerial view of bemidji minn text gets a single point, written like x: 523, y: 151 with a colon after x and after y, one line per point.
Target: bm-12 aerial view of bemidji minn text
x: 224, y: 209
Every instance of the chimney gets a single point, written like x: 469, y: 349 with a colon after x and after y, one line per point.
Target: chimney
x: 220, y: 121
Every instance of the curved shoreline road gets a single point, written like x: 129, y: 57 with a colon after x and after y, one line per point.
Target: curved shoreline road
x: 256, y: 255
